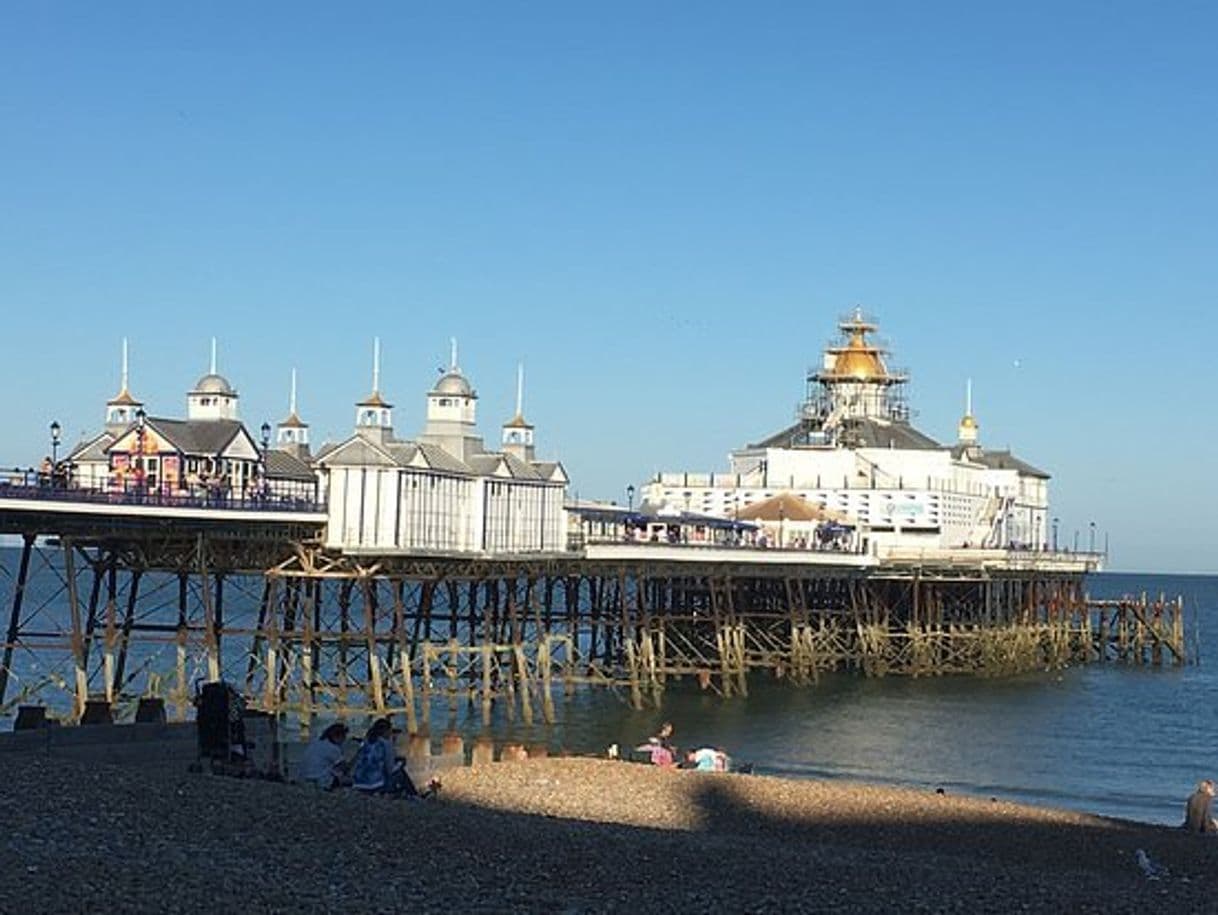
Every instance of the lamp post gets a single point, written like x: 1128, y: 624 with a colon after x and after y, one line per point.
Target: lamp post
x: 56, y: 431
x: 1055, y: 535
x: 630, y: 497
x: 1092, y: 547
x: 266, y: 447
x: 140, y: 430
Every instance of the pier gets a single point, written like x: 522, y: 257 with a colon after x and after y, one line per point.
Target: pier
x: 441, y: 575
x: 105, y: 607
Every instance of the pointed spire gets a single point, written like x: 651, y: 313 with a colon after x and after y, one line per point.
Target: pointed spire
x: 374, y: 399
x: 518, y: 421
x: 213, y: 355
x: 967, y: 430
x: 452, y: 359
x: 293, y: 421
x: 123, y: 398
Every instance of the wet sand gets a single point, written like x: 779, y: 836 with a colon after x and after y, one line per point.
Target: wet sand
x: 567, y: 835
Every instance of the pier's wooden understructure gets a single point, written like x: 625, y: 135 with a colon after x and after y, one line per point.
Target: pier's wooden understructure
x: 115, y: 611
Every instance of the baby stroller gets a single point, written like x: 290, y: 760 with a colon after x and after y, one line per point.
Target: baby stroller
x: 224, y: 748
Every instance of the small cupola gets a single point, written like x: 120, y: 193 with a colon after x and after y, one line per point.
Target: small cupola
x: 452, y: 403
x: 122, y: 407
x: 374, y: 413
x: 292, y: 433
x: 517, y: 431
x: 212, y: 396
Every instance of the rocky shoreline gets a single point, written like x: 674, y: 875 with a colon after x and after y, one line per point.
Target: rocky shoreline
x: 567, y: 835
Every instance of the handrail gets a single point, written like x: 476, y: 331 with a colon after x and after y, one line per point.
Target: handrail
x: 50, y: 492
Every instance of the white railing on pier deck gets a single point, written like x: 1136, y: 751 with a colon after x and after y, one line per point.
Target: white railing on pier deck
x: 132, y: 503
x: 1045, y: 560
x: 711, y: 552
x: 881, y: 556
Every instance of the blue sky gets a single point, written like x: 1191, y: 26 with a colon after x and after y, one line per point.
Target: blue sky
x: 662, y: 209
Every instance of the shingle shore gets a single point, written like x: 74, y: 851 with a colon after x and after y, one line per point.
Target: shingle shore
x: 566, y: 835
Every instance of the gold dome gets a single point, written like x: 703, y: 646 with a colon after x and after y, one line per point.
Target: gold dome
x: 967, y: 422
x: 858, y: 361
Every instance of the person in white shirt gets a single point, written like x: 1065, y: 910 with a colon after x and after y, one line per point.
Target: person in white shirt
x: 323, y: 762
x: 707, y: 759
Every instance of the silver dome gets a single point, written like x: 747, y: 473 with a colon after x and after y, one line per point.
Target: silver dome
x: 453, y: 383
x: 214, y: 384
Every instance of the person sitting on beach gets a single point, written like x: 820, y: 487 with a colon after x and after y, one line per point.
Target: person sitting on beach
x: 659, y: 747
x: 323, y: 762
x: 657, y: 752
x: 378, y: 771
x: 707, y: 759
x: 1198, y: 812
x: 664, y: 735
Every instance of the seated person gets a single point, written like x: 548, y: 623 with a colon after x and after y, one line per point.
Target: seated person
x: 1198, y: 813
x: 707, y: 759
x: 658, y: 753
x: 323, y: 762
x: 378, y: 771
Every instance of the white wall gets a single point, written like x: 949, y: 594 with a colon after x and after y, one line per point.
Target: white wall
x: 396, y: 510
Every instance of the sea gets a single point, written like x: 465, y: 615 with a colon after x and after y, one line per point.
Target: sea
x: 1116, y: 739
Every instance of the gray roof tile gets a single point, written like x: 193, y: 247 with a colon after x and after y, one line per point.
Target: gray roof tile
x: 283, y: 466
x: 196, y: 436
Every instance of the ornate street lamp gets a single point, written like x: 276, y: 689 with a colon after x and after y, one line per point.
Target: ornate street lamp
x: 630, y: 497
x: 266, y: 447
x: 140, y: 431
x: 1055, y: 520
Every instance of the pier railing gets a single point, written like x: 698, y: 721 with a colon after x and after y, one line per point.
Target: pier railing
x: 30, y: 485
x: 1009, y: 558
x: 578, y: 541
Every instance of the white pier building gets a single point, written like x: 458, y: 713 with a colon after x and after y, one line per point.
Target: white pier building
x: 445, y: 491
x: 210, y: 453
x: 853, y: 452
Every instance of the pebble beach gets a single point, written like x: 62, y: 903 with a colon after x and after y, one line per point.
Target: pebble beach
x: 567, y: 835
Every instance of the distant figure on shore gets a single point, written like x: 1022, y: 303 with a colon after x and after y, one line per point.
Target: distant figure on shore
x: 664, y: 734
x: 659, y: 754
x: 1198, y: 813
x: 323, y: 762
x: 707, y: 759
x: 659, y: 747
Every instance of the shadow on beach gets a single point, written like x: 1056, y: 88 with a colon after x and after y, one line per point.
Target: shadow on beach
x: 533, y: 837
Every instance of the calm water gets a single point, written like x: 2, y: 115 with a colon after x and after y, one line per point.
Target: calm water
x: 1123, y: 741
